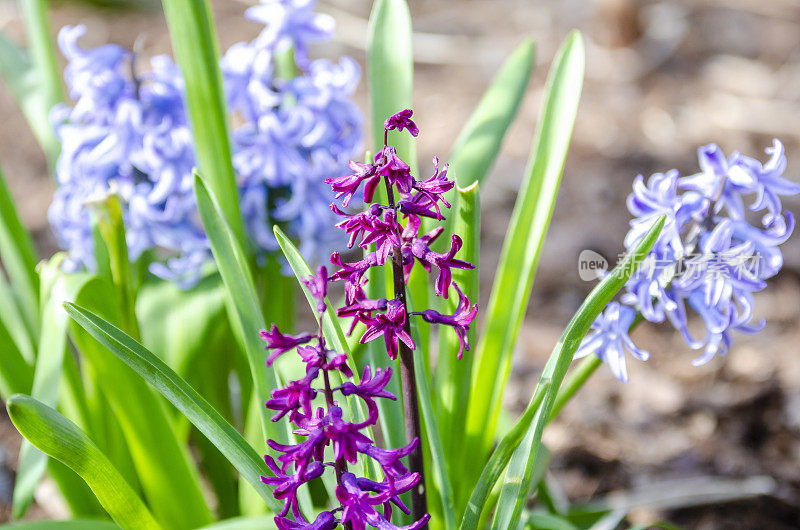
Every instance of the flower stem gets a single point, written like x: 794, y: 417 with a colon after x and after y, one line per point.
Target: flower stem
x: 341, y: 465
x: 419, y: 504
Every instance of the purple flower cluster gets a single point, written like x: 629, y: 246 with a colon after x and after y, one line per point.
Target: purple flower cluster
x: 710, y: 257
x: 393, y: 230
x: 362, y: 501
x: 128, y: 133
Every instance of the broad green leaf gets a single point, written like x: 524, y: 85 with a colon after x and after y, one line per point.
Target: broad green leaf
x: 522, y: 246
x: 194, y: 40
x: 61, y: 439
x: 235, y: 271
x: 34, y: 81
x: 565, y: 349
x: 577, y: 377
x: 18, y: 257
x: 547, y: 521
x: 178, y: 323
x: 16, y: 375
x: 390, y: 72
x: 20, y: 337
x: 480, y: 139
x: 48, y: 75
x: 454, y: 376
x: 169, y: 479
x: 244, y: 523
x: 517, y: 483
x: 74, y: 524
x: 161, y: 377
x: 47, y: 374
x: 111, y: 227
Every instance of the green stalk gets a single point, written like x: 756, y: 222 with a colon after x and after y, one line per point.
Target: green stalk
x: 111, y: 228
x: 195, y: 43
x: 43, y: 58
x: 577, y: 377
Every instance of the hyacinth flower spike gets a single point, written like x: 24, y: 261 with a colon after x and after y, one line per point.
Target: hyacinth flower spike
x: 393, y: 229
x: 362, y: 502
x: 709, y: 259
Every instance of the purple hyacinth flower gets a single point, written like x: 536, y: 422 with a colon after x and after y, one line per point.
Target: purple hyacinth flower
x: 402, y: 120
x: 370, y: 387
x: 361, y: 311
x: 431, y: 190
x: 324, y: 521
x: 610, y: 339
x: 295, y: 395
x: 346, y: 437
x: 353, y: 275
x: 390, y: 325
x: 459, y: 321
x: 397, y: 487
x: 389, y: 459
x: 384, y: 234
x: 391, y: 166
x: 286, y: 485
x: 444, y: 262
x: 318, y: 287
x: 281, y: 343
x: 359, y: 508
x: 347, y: 185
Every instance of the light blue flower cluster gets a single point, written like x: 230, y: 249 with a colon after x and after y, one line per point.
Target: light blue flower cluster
x: 713, y: 253
x: 128, y: 133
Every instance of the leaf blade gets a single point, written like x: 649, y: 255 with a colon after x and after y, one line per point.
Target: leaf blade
x: 479, y: 141
x: 55, y: 435
x: 194, y: 41
x: 522, y: 245
x: 169, y: 384
x: 553, y: 375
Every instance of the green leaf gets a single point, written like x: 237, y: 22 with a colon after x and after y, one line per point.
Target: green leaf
x: 18, y: 257
x: 547, y: 521
x: 107, y: 213
x: 47, y: 374
x: 479, y: 142
x: 74, y: 524
x: 194, y: 40
x: 522, y: 246
x: 244, y: 523
x: 390, y: 72
x: 184, y: 397
x: 55, y: 435
x: 453, y: 376
x: 34, y: 95
x: 180, y: 324
x: 551, y: 378
x: 169, y: 479
x: 11, y: 318
x: 16, y: 375
x: 238, y: 279
x: 517, y: 484
x: 48, y: 75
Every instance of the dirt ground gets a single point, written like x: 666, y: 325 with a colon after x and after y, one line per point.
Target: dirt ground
x: 662, y: 79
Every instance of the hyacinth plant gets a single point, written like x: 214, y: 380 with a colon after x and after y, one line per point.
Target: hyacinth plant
x: 341, y: 450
